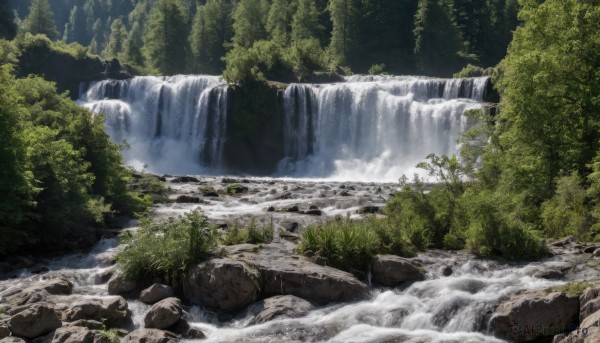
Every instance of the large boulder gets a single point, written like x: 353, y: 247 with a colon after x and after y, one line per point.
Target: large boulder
x: 163, y: 314
x: 149, y: 336
x: 391, y: 270
x: 38, y: 292
x: 589, y: 302
x: 119, y: 285
x: 533, y: 316
x: 580, y: 335
x: 75, y: 334
x: 36, y: 320
x: 299, y: 276
x: 222, y: 284
x: 282, y: 306
x: 156, y: 292
x: 111, y: 310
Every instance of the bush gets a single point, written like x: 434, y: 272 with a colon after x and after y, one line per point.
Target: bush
x: 470, y: 71
x: 252, y: 234
x: 377, y: 69
x: 348, y: 245
x: 166, y: 250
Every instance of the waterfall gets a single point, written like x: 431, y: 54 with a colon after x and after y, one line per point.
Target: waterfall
x: 170, y: 124
x: 374, y: 127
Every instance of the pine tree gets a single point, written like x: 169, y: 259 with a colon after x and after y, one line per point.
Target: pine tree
x: 279, y: 20
x: 249, y: 19
x: 7, y: 22
x: 40, y: 20
x: 305, y: 24
x: 165, y: 42
x: 437, y: 39
x: 344, y: 16
x: 211, y: 30
x: 115, y: 44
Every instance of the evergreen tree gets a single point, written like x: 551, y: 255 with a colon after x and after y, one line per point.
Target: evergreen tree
x: 40, y: 20
x: 249, y: 20
x: 279, y: 19
x: 165, y: 41
x: 437, y: 39
x: 305, y: 23
x: 344, y: 16
x: 116, y: 42
x: 7, y: 22
x: 211, y: 30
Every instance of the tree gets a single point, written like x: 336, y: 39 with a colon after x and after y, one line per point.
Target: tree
x: 40, y: 20
x: 305, y: 23
x: 115, y: 45
x: 211, y: 30
x: 437, y: 39
x: 344, y: 16
x: 165, y: 42
x: 279, y: 19
x: 7, y: 22
x: 249, y: 22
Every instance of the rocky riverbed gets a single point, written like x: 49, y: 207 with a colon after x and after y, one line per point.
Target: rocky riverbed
x: 267, y: 293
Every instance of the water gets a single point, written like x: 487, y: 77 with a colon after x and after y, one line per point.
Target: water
x: 170, y: 124
x: 374, y: 127
x: 369, y: 128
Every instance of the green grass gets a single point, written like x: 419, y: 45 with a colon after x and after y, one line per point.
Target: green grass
x: 350, y: 245
x: 573, y: 289
x: 166, y: 250
x: 253, y: 234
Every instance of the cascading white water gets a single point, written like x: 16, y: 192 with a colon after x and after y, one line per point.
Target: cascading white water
x: 171, y: 125
x: 374, y: 127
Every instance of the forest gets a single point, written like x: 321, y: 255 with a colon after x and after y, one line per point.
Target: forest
x: 528, y: 170
x: 282, y: 40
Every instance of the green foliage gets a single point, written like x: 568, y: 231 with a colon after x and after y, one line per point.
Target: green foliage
x: 115, y: 45
x: 252, y: 234
x: 166, y: 250
x: 40, y: 20
x: 348, y: 245
x: 573, y: 289
x: 470, y: 71
x: 236, y: 189
x: 377, y: 69
x: 249, y: 19
x: 165, y: 40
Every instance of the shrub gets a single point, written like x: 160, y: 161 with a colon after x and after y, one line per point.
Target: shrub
x: 252, y: 234
x: 347, y: 244
x: 166, y: 250
x: 377, y: 69
x: 236, y: 189
x: 470, y: 71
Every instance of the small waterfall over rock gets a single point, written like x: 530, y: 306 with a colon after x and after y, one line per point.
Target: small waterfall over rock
x: 171, y: 124
x: 374, y: 127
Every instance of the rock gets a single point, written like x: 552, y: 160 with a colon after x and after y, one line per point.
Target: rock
x: 210, y: 194
x: 86, y: 323
x: 228, y: 180
x: 591, y: 320
x: 271, y: 209
x: 236, y: 189
x: 290, y: 226
x: 186, y: 331
x: 596, y: 253
x: 118, y: 285
x: 163, y: 314
x: 156, y: 292
x: 292, y: 209
x: 187, y: 199
x: 550, y: 274
x: 564, y: 241
x: 12, y: 339
x: 110, y: 310
x: 149, y: 336
x: 76, y: 334
x: 297, y: 275
x: 313, y: 212
x: 590, y: 249
x: 447, y: 271
x: 282, y: 306
x: 369, y: 210
x: 580, y: 335
x: 4, y: 331
x: 36, y: 320
x: 185, y: 179
x: 589, y: 308
x: 390, y: 270
x: 39, y: 292
x: 222, y: 284
x: 536, y: 315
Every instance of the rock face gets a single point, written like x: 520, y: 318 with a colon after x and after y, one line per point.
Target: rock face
x: 39, y: 292
x: 111, y: 310
x: 222, y: 284
x: 532, y: 316
x: 149, y: 336
x: 164, y: 314
x: 282, y: 306
x: 76, y: 334
x: 390, y: 270
x: 156, y: 292
x: 118, y: 285
x: 34, y: 321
